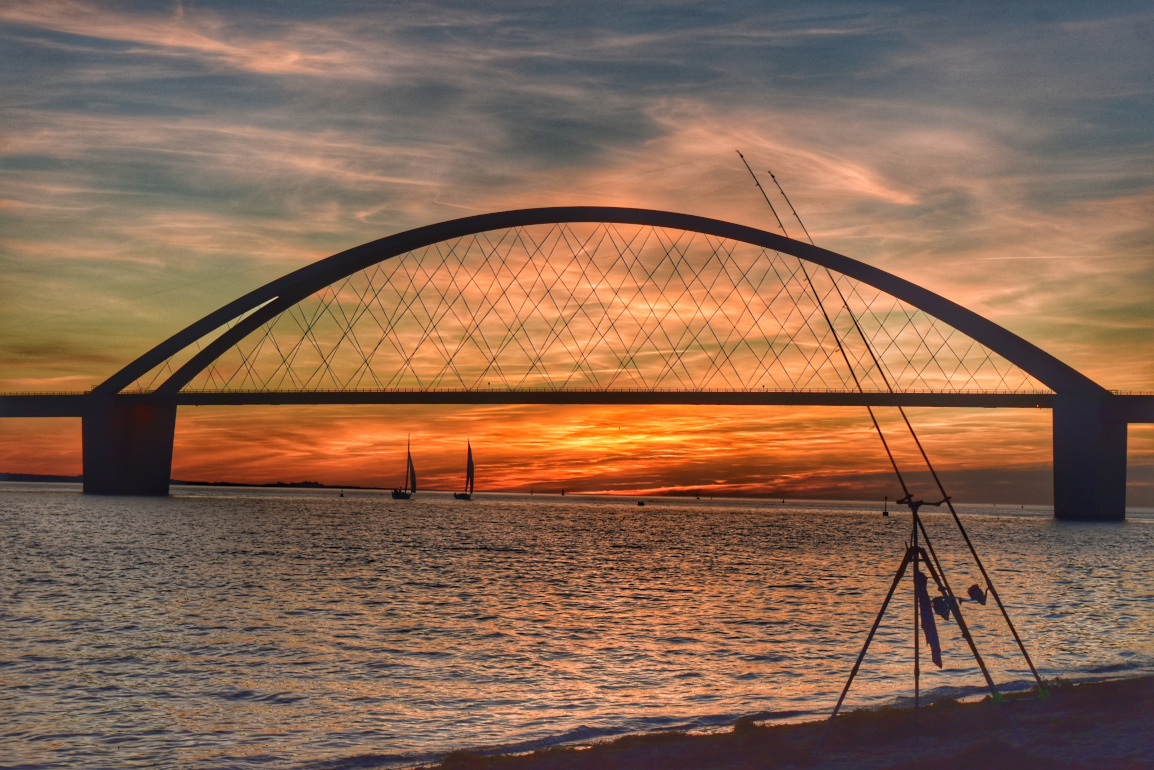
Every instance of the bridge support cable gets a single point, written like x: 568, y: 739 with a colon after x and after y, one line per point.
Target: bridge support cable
x: 925, y: 457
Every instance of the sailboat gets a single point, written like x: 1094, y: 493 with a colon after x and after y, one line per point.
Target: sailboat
x: 468, y: 493
x: 410, y: 477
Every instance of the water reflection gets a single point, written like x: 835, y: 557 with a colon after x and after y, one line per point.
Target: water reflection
x: 244, y: 626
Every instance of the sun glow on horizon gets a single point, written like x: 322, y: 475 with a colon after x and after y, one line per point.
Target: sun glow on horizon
x: 159, y: 163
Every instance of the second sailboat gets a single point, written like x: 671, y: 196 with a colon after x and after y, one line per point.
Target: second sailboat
x: 468, y: 493
x: 410, y: 488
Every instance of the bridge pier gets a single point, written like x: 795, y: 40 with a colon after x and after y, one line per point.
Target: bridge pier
x: 1089, y: 459
x: 127, y: 444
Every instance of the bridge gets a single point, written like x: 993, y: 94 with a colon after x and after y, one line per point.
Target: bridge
x: 593, y: 305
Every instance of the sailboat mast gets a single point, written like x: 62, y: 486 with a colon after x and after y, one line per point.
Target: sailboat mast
x: 408, y: 461
x: 410, y: 471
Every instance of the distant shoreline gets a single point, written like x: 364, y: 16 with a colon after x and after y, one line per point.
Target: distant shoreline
x: 552, y: 490
x: 704, y: 494
x: 49, y: 479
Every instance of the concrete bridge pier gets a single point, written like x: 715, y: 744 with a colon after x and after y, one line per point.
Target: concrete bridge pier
x: 1089, y: 459
x: 128, y: 445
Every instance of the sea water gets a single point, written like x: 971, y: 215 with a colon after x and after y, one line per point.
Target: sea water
x: 234, y: 627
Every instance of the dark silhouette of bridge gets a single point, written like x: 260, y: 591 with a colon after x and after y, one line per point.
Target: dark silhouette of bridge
x: 593, y: 305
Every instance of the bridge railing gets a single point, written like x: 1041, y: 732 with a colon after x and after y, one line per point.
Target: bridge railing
x: 866, y: 391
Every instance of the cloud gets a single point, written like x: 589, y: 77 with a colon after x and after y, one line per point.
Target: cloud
x: 158, y: 164
x: 196, y: 33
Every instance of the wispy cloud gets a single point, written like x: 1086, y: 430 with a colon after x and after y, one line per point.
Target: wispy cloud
x: 156, y: 164
x: 195, y: 33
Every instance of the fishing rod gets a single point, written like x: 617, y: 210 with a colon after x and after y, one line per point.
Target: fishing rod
x: 757, y: 182
x: 908, y: 499
x: 833, y: 330
x: 925, y: 457
x: 913, y: 550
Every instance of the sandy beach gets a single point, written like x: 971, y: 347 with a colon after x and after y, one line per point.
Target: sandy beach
x: 1092, y: 725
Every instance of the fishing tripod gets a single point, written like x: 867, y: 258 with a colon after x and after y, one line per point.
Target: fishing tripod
x: 924, y: 608
x: 916, y: 555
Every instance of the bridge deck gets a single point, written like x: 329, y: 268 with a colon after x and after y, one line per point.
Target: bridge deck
x: 1123, y: 408
x: 72, y: 404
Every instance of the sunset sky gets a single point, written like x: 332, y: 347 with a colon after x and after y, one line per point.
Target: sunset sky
x: 160, y: 159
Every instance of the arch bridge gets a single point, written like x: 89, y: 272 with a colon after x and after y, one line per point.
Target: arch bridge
x: 594, y: 305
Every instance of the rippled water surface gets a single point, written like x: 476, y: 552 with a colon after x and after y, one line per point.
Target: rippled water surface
x: 242, y: 627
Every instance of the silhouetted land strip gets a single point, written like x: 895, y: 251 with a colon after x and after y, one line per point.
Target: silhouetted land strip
x: 1094, y: 725
x: 47, y: 479
x: 41, y: 478
x: 274, y: 484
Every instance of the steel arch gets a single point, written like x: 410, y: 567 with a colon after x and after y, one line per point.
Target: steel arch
x: 274, y: 297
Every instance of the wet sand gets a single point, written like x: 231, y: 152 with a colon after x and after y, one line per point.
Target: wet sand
x: 1094, y: 725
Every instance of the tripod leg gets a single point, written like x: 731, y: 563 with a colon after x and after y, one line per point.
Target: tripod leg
x: 1042, y: 693
x: 944, y: 586
x: 917, y: 641
x: 861, y: 656
x: 939, y: 576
